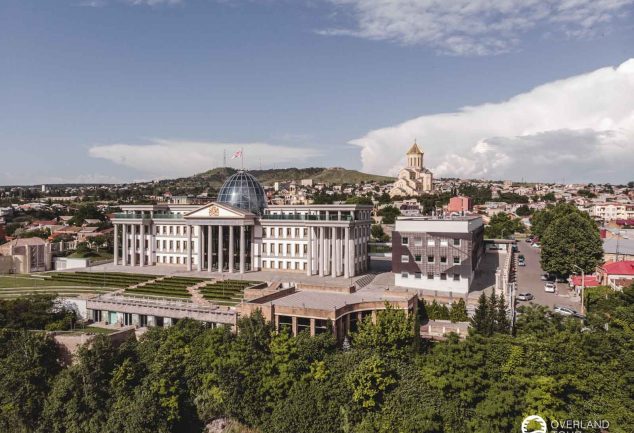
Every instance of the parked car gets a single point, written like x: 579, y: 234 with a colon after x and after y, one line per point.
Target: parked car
x: 521, y: 260
x: 567, y: 311
x: 525, y: 297
x: 529, y: 240
x: 545, y: 277
x: 536, y: 245
x: 550, y: 287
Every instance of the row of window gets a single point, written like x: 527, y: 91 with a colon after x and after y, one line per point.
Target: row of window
x: 430, y: 276
x: 281, y: 232
x: 270, y: 248
x: 171, y: 230
x: 282, y: 264
x: 430, y: 259
x: 418, y: 242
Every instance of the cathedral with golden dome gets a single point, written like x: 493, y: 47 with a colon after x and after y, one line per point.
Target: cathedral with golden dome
x: 414, y: 179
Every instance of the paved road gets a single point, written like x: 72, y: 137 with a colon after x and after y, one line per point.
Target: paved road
x: 528, y: 280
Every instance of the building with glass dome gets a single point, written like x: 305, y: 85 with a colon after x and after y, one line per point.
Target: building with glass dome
x: 240, y: 233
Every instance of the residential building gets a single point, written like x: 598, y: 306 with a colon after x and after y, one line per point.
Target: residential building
x: 23, y: 256
x: 610, y: 272
x: 460, y: 204
x: 437, y: 253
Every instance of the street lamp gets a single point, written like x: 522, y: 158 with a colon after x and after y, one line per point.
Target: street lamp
x: 583, y: 285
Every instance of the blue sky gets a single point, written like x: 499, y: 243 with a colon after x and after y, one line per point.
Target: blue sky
x: 118, y: 90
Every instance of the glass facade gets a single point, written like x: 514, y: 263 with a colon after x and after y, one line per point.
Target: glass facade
x: 243, y: 191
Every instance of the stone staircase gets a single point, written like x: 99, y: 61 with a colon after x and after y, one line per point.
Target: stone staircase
x: 197, y: 297
x: 365, y: 280
x: 140, y: 284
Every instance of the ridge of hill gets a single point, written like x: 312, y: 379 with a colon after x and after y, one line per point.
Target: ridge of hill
x: 334, y: 175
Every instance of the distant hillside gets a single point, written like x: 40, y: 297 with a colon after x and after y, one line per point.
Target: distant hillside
x: 335, y: 175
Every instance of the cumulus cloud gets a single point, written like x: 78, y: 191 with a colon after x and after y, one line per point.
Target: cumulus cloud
x: 579, y: 128
x: 171, y: 158
x: 474, y: 27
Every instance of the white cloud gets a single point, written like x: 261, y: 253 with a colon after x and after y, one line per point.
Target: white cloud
x: 171, y: 158
x: 579, y: 128
x: 474, y: 27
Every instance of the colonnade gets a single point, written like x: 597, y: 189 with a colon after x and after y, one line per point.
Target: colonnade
x: 333, y: 251
x: 133, y: 245
x: 211, y: 249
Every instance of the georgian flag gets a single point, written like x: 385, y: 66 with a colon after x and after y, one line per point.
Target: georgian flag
x: 237, y: 154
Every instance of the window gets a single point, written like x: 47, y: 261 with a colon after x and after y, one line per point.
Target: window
x: 430, y: 259
x: 264, y: 264
x: 171, y: 230
x: 431, y: 243
x: 280, y: 249
x: 296, y: 249
x: 404, y: 258
x: 404, y: 275
x: 296, y: 233
x: 417, y: 258
x: 456, y: 260
x: 288, y: 248
x: 288, y: 232
x: 418, y: 242
x: 443, y: 276
x: 418, y: 275
x: 305, y: 232
x: 404, y: 240
x: 456, y: 277
x: 305, y: 249
x: 456, y: 242
x: 264, y: 232
x: 264, y: 248
x: 280, y: 232
x: 444, y: 243
x: 430, y: 275
x: 443, y: 259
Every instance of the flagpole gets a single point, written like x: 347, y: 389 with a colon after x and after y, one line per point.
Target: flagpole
x: 242, y: 157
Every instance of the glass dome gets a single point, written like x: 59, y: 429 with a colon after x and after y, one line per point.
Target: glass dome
x: 242, y: 190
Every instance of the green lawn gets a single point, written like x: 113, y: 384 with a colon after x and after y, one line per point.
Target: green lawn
x: 26, y: 281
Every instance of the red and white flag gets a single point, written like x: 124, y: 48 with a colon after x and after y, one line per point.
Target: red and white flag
x: 237, y: 154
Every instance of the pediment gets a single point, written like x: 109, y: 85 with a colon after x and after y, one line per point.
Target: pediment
x: 218, y: 210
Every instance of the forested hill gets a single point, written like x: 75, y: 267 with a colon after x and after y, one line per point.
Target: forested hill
x: 334, y: 175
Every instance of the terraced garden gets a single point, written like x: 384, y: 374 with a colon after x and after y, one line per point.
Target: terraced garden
x: 173, y: 287
x: 69, y: 284
x: 227, y: 292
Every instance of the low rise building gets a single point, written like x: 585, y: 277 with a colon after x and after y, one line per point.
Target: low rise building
x: 23, y: 256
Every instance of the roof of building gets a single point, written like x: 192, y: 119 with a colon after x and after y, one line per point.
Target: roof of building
x: 243, y: 191
x: 22, y: 242
x: 331, y: 300
x: 414, y: 150
x: 588, y: 281
x: 625, y: 267
x: 621, y: 246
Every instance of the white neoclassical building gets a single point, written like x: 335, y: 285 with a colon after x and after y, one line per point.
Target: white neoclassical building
x: 239, y: 233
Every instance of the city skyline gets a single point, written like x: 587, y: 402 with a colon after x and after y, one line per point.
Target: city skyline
x: 511, y: 95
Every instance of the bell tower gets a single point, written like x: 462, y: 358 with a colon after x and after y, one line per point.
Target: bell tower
x: 415, y: 157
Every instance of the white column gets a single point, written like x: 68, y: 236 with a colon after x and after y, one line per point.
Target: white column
x: 231, y: 255
x: 151, y: 244
x: 321, y: 251
x: 352, y: 254
x: 116, y: 244
x: 346, y: 255
x: 124, y: 252
x: 333, y: 252
x: 252, y: 247
x: 142, y: 245
x: 242, y: 253
x: 133, y: 249
x: 189, y: 248
x: 220, y: 255
x: 210, y: 244
x: 309, y: 257
x: 200, y: 248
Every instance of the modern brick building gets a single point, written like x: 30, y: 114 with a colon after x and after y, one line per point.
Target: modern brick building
x: 437, y: 253
x: 460, y: 204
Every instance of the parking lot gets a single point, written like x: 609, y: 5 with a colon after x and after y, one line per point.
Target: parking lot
x: 529, y: 280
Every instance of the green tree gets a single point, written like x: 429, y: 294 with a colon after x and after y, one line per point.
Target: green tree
x: 378, y: 233
x: 370, y: 381
x: 458, y: 311
x: 391, y: 335
x: 569, y: 241
x: 523, y: 211
x: 501, y: 226
x: 389, y: 214
x: 540, y: 220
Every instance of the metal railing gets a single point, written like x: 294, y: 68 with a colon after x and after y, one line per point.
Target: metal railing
x: 307, y: 217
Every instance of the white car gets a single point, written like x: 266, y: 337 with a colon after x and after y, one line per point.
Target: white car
x: 566, y: 311
x: 535, y: 245
x: 550, y: 287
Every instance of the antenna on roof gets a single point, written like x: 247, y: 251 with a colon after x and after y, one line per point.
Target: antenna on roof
x: 224, y: 157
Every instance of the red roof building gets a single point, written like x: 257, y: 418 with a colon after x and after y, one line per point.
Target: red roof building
x: 616, y: 270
